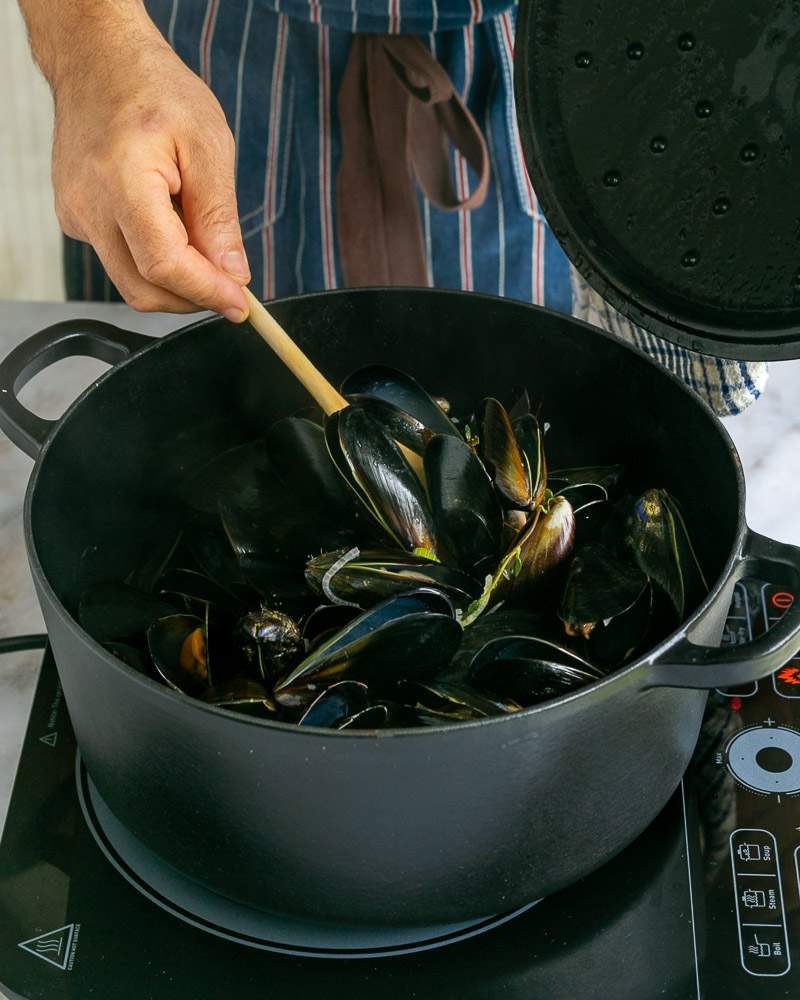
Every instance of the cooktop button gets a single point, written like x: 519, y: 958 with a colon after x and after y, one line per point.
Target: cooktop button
x: 766, y: 759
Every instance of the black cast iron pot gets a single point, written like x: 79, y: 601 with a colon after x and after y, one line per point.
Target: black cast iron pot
x: 405, y: 827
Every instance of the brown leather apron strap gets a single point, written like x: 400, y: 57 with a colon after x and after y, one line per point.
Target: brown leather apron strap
x: 397, y: 112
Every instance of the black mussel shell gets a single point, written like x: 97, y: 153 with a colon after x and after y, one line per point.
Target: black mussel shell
x: 371, y: 462
x: 530, y: 439
x: 529, y: 670
x: 327, y: 620
x: 402, y: 391
x: 212, y: 554
x: 467, y: 513
x: 600, y: 586
x: 453, y: 702
x: 406, y: 636
x: 401, y: 426
x: 238, y: 691
x: 367, y: 578
x: 529, y: 682
x: 300, y: 457
x: 503, y: 457
x: 626, y: 636
x: 115, y: 611
x: 609, y: 477
x: 584, y: 496
x: 497, y: 623
x: 269, y: 524
x: 520, y: 403
x: 374, y: 717
x: 196, y: 590
x: 159, y: 551
x: 179, y: 656
x: 132, y: 656
x: 657, y: 537
x: 232, y: 476
x: 533, y: 647
x: 336, y: 705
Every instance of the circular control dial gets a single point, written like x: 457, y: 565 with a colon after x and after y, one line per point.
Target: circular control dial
x: 766, y: 759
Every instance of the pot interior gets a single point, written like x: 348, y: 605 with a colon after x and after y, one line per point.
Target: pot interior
x: 109, y: 484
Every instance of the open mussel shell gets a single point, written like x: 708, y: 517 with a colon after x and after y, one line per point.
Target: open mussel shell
x: 367, y: 578
x: 502, y: 455
x: 501, y: 621
x: 371, y: 462
x: 325, y: 621
x: 584, y: 496
x: 520, y: 403
x: 403, y: 392
x: 657, y: 537
x: 609, y: 477
x: 546, y: 545
x: 407, y: 636
x: 543, y: 546
x: 529, y: 670
x: 158, y: 554
x: 336, y: 705
x: 210, y: 552
x: 177, y: 645
x: 614, y: 643
x: 467, y: 513
x: 111, y: 612
x: 237, y: 692
x: 374, y: 717
x: 196, y: 590
x: 532, y: 647
x: 530, y: 439
x: 600, y: 586
x: 401, y: 426
x: 453, y: 702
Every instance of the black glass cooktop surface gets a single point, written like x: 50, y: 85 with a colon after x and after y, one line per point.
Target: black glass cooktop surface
x: 705, y: 904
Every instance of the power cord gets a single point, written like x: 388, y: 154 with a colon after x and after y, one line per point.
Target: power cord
x: 19, y: 643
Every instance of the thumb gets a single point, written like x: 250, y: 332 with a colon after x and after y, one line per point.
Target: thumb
x: 208, y: 200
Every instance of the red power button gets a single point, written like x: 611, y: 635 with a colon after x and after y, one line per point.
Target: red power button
x: 782, y: 600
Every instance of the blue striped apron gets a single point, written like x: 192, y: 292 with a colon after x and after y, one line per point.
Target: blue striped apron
x: 276, y: 66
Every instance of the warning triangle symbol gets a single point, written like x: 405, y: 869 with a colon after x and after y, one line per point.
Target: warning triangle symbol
x: 53, y: 947
x: 50, y: 739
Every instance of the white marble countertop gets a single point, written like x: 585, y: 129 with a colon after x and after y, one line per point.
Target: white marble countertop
x: 768, y: 438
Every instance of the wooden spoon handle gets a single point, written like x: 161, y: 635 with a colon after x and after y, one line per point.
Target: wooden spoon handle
x: 291, y: 355
x: 298, y: 364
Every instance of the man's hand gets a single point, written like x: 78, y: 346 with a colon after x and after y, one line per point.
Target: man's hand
x: 135, y: 129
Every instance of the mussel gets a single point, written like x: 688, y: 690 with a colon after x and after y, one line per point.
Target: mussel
x: 408, y: 635
x: 529, y: 670
x: 659, y: 542
x: 366, y: 578
x: 461, y: 580
x: 372, y: 463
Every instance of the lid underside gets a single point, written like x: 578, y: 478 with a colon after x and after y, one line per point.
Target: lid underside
x: 663, y: 142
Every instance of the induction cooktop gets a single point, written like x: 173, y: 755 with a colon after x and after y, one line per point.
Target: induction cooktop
x: 705, y: 904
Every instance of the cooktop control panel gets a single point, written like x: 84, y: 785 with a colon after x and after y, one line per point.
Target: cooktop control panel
x: 755, y: 800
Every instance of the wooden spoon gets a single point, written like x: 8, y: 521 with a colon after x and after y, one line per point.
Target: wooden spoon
x: 304, y: 371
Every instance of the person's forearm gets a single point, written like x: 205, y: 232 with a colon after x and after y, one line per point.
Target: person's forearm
x: 64, y: 35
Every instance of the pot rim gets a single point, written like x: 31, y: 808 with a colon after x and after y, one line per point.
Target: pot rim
x: 178, y: 700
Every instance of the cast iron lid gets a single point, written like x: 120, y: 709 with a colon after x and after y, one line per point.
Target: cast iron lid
x: 663, y: 141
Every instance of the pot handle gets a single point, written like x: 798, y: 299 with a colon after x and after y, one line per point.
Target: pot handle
x: 70, y: 338
x: 687, y: 665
